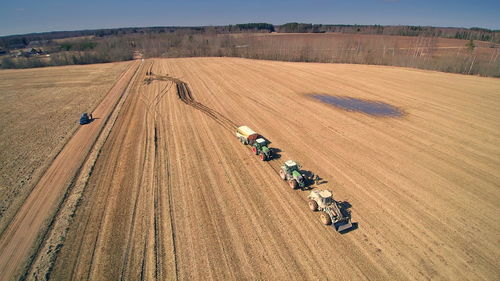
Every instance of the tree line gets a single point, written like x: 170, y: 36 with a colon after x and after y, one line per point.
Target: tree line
x: 475, y: 33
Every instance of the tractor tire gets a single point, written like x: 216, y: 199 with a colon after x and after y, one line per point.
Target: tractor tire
x: 282, y: 175
x: 254, y: 150
x: 263, y: 157
x: 313, y: 205
x: 325, y: 219
x: 293, y: 184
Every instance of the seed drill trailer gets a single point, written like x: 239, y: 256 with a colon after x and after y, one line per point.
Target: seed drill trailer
x: 259, y: 144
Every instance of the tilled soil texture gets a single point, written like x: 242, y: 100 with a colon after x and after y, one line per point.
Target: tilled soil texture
x: 174, y: 194
x: 40, y: 109
x: 22, y: 236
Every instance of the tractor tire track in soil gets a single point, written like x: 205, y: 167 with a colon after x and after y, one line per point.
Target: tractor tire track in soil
x: 184, y: 93
x: 186, y: 96
x: 138, y: 250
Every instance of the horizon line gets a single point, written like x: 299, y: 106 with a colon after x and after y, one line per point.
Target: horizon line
x: 194, y: 26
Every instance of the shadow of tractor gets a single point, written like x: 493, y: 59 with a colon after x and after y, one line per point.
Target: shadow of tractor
x: 275, y: 153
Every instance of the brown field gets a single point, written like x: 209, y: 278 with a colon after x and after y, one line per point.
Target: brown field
x: 174, y: 195
x: 432, y: 53
x: 401, y: 41
x: 40, y: 111
x: 440, y: 46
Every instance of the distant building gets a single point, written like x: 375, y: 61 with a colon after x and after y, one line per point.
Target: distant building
x: 35, y: 52
x: 27, y: 53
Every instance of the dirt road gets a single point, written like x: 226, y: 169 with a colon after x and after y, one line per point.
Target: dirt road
x: 174, y: 195
x: 39, y: 110
x: 23, y: 233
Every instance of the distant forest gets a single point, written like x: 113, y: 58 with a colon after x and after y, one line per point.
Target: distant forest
x: 408, y: 46
x: 475, y: 33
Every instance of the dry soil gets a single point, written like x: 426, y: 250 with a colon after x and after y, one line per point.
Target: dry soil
x: 174, y: 195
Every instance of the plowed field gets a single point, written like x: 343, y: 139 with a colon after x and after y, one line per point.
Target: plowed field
x: 174, y: 195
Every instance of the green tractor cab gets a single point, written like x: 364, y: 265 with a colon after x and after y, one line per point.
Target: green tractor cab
x: 260, y: 148
x: 290, y: 172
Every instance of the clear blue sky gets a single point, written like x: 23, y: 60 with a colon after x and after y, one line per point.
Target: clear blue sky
x: 26, y: 16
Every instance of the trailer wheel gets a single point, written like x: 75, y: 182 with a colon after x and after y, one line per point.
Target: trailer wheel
x: 293, y: 184
x: 313, y: 205
x: 325, y: 219
x: 282, y: 175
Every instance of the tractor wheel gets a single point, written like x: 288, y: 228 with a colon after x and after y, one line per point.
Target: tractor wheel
x: 282, y: 175
x: 293, y: 184
x: 262, y: 157
x: 325, y: 219
x: 313, y: 205
x: 254, y: 150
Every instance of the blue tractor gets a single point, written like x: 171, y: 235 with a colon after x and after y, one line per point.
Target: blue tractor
x: 86, y: 118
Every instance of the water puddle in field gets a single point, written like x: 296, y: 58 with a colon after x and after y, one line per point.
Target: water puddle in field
x: 375, y: 108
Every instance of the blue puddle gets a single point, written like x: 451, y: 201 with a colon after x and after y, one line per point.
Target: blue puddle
x: 375, y: 108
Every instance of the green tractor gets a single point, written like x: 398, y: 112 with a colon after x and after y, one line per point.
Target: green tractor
x: 260, y: 148
x: 291, y: 173
x: 260, y: 145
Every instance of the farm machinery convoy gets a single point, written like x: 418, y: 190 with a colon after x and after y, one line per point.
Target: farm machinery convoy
x: 319, y: 200
x: 290, y: 171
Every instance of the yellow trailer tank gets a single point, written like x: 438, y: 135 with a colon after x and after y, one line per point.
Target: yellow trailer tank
x: 246, y: 135
x: 245, y: 131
